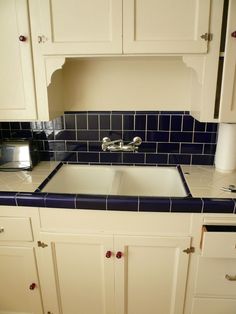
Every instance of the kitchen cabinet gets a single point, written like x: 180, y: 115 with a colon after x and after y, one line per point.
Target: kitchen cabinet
x: 74, y: 27
x: 19, y: 100
x: 213, y: 75
x: 108, y: 272
x: 17, y: 91
x: 156, y: 26
x: 20, y: 292
x: 213, y: 286
x: 137, y: 274
x: 148, y: 26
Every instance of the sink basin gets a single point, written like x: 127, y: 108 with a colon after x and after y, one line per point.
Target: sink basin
x: 117, y: 180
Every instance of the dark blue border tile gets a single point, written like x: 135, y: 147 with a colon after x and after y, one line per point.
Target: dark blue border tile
x: 91, y: 202
x: 188, y: 205
x: 31, y: 199
x: 127, y: 203
x: 8, y: 198
x: 154, y: 204
x: 60, y: 200
x: 218, y: 205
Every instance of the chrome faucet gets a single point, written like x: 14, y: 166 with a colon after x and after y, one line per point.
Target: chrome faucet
x: 119, y: 146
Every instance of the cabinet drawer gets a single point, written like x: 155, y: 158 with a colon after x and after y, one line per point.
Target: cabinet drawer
x: 213, y: 306
x: 219, y: 242
x: 211, y: 277
x: 15, y: 229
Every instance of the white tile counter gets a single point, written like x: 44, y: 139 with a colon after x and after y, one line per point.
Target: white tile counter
x: 203, y: 181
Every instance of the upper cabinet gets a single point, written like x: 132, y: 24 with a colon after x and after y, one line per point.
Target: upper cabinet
x: 213, y: 79
x: 75, y: 27
x: 17, y: 100
x: 157, y: 26
x: 227, y: 109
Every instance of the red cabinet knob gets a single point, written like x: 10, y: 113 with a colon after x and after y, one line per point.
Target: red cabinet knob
x: 108, y: 254
x: 32, y: 286
x: 119, y: 254
x: 22, y: 38
x: 233, y: 34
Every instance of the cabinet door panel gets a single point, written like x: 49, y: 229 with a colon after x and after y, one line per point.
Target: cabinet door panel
x: 155, y: 271
x: 17, y: 273
x: 80, y: 26
x: 16, y: 80
x: 84, y: 278
x: 157, y: 26
x: 228, y: 95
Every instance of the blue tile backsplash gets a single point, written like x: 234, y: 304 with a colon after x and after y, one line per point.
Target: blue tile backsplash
x: 168, y: 137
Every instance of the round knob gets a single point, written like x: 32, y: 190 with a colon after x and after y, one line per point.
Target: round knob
x: 233, y: 34
x: 22, y: 38
x: 32, y: 286
x: 1, y: 229
x: 108, y: 254
x: 119, y: 254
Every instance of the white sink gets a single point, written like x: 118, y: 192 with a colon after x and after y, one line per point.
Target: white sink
x: 117, y: 180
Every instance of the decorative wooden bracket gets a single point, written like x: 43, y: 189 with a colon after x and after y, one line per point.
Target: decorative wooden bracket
x: 51, y: 65
x: 197, y: 63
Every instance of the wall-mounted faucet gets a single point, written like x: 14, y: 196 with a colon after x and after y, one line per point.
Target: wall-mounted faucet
x: 119, y: 146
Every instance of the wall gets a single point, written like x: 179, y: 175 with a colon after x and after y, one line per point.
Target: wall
x: 168, y: 137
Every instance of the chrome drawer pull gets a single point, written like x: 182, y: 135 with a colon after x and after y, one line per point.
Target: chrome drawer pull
x: 230, y: 278
x: 1, y: 229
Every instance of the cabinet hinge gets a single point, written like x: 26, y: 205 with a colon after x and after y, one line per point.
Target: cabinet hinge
x: 207, y: 36
x: 41, y: 244
x: 189, y: 250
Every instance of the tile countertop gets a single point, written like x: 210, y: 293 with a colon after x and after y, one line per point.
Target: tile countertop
x: 204, y: 182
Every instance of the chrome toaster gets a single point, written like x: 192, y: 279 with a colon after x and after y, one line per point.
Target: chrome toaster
x: 21, y: 154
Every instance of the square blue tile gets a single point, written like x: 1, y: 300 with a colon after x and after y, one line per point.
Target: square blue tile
x: 164, y: 122
x: 128, y: 122
x: 105, y: 122
x: 70, y: 121
x: 176, y: 122
x: 92, y: 122
x: 140, y: 122
x: 152, y: 122
x: 82, y: 121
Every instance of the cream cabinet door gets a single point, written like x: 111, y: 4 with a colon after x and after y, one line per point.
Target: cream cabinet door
x: 19, y: 292
x: 228, y: 89
x: 77, y: 275
x: 170, y: 26
x: 73, y: 27
x: 151, y: 274
x: 17, y: 101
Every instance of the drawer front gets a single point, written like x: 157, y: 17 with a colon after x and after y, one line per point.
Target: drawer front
x: 211, y: 277
x: 219, y: 244
x: 15, y: 229
x: 213, y: 306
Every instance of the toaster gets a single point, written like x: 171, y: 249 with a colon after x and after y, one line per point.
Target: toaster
x: 21, y: 154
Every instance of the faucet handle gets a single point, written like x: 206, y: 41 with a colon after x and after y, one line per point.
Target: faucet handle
x: 136, y: 141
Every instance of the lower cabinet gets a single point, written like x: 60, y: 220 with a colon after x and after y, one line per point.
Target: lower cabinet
x: 106, y: 274
x: 19, y: 292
